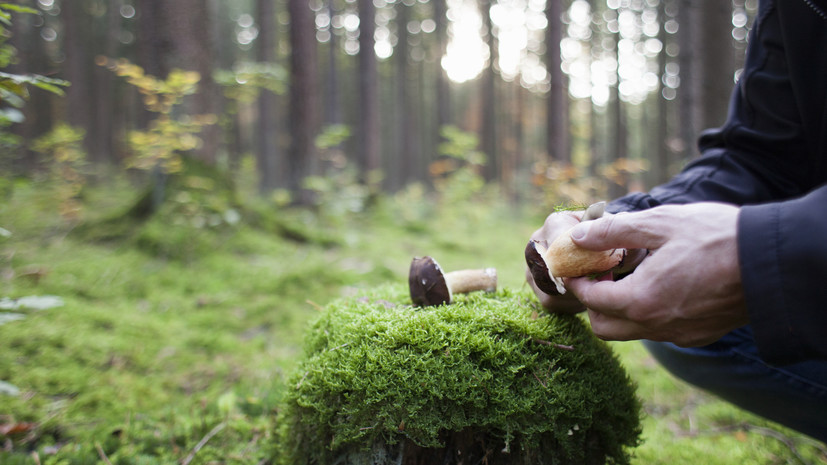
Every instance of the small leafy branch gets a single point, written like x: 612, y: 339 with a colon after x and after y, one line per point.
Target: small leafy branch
x: 160, y: 145
x: 64, y: 146
x: 14, y: 88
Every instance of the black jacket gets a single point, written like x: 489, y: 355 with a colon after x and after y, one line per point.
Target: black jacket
x: 771, y: 157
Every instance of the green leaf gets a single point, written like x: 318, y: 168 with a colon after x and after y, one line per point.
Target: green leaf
x: 49, y: 87
x: 18, y: 8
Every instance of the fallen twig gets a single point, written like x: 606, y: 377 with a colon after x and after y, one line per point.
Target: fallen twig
x: 202, y: 443
x: 102, y: 454
x: 541, y: 381
x: 554, y: 344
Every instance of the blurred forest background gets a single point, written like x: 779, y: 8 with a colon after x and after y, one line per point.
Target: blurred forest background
x: 578, y: 98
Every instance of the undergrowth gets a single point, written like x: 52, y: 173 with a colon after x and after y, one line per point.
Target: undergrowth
x: 177, y: 331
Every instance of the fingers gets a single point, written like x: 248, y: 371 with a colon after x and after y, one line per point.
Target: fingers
x: 556, y: 224
x: 566, y: 303
x: 641, y: 230
x: 605, y: 296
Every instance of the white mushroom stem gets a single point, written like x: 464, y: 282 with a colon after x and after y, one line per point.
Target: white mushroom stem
x: 462, y: 281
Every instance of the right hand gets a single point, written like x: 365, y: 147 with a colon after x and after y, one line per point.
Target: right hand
x: 556, y: 224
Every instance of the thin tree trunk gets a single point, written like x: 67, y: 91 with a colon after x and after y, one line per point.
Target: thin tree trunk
x: 189, y: 21
x: 490, y: 104
x: 662, y: 159
x: 78, y: 70
x: 334, y: 110
x: 103, y: 147
x: 369, y: 127
x: 443, y: 98
x: 688, y: 94
x: 619, y: 146
x: 303, y: 121
x: 403, y: 170
x: 557, y: 120
x: 267, y: 155
x: 717, y: 62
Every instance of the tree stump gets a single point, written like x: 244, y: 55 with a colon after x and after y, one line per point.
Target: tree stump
x: 491, y: 379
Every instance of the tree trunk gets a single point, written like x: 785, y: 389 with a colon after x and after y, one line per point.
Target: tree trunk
x: 717, y: 62
x: 188, y: 24
x: 153, y: 46
x: 489, y: 107
x: 303, y: 107
x: 267, y: 155
x: 103, y: 147
x: 369, y: 128
x: 403, y: 171
x: 334, y: 109
x: 619, y: 146
x: 662, y: 158
x: 443, y: 98
x: 707, y: 63
x: 77, y: 69
x: 557, y: 118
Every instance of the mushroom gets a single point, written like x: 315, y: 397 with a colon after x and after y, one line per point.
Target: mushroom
x: 430, y: 286
x: 565, y: 259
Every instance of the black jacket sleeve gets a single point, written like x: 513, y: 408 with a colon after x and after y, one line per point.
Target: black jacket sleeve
x: 771, y: 158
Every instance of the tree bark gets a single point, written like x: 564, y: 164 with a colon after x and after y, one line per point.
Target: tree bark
x: 662, y: 158
x: 490, y: 105
x: 443, y: 95
x: 303, y: 106
x: 405, y: 165
x: 267, y: 154
x: 619, y: 146
x: 369, y: 135
x: 557, y: 118
x: 189, y: 25
x: 77, y: 69
x: 717, y: 62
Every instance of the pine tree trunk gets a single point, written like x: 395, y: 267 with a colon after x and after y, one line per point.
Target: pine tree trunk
x: 490, y: 105
x: 369, y: 128
x: 267, y: 153
x: 303, y: 107
x: 557, y: 118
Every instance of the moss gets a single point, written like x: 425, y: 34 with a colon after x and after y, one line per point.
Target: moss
x: 489, y: 376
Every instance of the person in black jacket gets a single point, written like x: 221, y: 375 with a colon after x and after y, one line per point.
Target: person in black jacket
x: 732, y: 292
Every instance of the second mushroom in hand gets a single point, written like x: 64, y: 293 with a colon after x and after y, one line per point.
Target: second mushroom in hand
x: 430, y: 285
x: 549, y: 263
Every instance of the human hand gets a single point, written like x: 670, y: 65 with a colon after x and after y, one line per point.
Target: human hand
x: 687, y: 290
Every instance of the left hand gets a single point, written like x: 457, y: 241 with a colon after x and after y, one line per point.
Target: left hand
x: 687, y: 290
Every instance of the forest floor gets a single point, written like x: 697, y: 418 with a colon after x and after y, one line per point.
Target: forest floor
x: 170, y: 341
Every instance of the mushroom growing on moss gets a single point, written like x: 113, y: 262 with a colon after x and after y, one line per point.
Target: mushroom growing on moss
x: 484, y: 380
x: 429, y: 285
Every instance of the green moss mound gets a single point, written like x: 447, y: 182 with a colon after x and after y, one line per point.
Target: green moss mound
x: 489, y: 378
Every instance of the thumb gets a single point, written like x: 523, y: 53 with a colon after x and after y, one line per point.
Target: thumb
x: 623, y: 230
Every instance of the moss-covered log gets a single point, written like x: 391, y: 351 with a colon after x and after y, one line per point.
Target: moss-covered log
x: 490, y: 378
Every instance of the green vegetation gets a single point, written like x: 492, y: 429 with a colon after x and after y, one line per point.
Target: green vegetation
x: 177, y: 334
x: 419, y: 381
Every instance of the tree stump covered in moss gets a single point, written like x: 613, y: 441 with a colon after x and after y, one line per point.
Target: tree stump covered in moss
x: 489, y: 379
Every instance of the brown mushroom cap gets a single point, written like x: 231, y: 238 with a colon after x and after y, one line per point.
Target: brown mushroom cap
x: 427, y: 283
x: 534, y: 253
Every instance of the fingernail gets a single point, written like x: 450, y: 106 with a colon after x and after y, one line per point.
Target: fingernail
x: 579, y: 231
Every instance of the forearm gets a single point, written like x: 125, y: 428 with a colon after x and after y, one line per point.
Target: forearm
x: 782, y: 248
x: 721, y: 176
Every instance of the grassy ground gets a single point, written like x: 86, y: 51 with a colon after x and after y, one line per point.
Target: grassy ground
x: 173, y: 342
